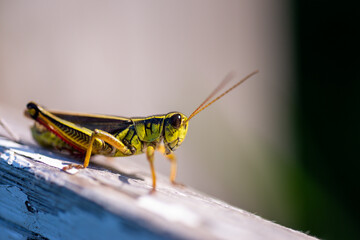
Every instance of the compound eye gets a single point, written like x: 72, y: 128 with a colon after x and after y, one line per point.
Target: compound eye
x: 175, y: 121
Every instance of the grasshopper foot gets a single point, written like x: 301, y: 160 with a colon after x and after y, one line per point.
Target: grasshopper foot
x: 152, y: 191
x: 72, y: 165
x: 177, y: 184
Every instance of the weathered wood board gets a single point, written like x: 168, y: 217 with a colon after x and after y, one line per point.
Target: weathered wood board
x: 110, y: 200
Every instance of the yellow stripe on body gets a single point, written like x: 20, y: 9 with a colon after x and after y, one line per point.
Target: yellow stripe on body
x: 76, y: 136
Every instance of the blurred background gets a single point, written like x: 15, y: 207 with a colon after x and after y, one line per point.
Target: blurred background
x: 283, y: 145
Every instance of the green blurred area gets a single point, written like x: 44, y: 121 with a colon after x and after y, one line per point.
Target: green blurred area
x: 323, y: 188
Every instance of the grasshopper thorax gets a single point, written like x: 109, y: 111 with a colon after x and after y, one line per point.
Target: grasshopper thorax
x: 175, y: 129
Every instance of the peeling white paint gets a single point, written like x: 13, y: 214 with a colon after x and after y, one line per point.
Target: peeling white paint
x: 170, y: 211
x: 15, y: 154
x: 47, y: 160
x: 15, y: 160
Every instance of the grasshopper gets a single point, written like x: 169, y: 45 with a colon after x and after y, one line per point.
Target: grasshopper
x: 117, y: 136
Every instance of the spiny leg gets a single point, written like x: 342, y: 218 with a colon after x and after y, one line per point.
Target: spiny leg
x: 150, y: 156
x: 106, y: 137
x: 173, y: 168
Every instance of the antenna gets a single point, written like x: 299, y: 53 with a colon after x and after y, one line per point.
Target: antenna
x: 218, y: 88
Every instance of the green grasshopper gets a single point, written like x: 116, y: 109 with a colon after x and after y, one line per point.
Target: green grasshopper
x: 117, y: 136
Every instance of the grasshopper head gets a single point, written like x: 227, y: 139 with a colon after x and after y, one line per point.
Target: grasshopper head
x: 175, y: 125
x: 175, y: 129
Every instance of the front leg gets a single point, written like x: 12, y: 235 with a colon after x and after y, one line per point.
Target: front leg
x: 106, y: 137
x: 172, y: 158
